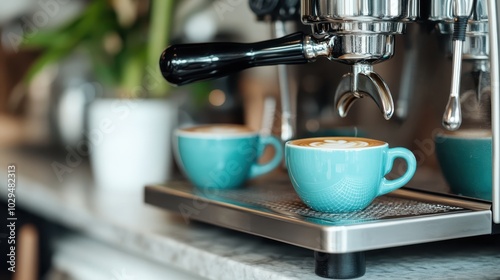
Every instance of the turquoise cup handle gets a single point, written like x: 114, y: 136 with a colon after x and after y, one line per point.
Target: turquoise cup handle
x: 387, y: 186
x: 260, y: 169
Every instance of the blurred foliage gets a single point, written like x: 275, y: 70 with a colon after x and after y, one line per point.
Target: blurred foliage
x: 123, y: 38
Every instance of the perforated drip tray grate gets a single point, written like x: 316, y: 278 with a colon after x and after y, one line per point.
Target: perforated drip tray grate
x: 273, y: 210
x: 282, y: 199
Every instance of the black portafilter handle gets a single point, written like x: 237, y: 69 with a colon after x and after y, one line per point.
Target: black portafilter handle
x: 187, y: 63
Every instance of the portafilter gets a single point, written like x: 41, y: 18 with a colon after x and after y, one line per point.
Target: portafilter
x: 357, y: 33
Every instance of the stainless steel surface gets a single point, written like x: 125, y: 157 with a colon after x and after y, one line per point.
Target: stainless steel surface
x: 287, y: 96
x: 359, y: 32
x: 408, y: 74
x: 441, y: 10
x: 315, y: 48
x: 266, y: 127
x: 446, y: 10
x: 482, y: 78
x: 494, y: 13
x: 351, y: 49
x: 362, y: 48
x: 473, y: 47
x: 476, y: 41
x: 476, y: 45
x: 314, y: 11
x: 452, y: 117
x: 462, y: 8
x: 274, y: 211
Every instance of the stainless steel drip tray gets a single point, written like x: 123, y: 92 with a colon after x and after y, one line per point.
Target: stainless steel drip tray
x: 273, y: 210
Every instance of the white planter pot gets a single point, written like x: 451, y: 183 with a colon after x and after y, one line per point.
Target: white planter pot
x: 130, y: 142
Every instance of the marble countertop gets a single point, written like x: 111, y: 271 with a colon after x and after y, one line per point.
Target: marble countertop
x: 123, y: 220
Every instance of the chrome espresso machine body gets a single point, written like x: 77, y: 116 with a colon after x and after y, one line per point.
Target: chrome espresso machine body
x: 360, y: 34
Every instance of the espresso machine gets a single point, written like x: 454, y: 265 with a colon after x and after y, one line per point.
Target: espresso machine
x: 359, y: 34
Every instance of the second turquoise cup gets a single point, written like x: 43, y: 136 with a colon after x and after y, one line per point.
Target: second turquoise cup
x: 465, y: 157
x: 223, y: 156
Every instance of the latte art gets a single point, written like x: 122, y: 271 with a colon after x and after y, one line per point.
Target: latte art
x: 339, y: 144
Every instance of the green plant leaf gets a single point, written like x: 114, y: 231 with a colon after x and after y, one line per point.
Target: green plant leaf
x: 44, y: 60
x: 159, y: 36
x: 130, y: 66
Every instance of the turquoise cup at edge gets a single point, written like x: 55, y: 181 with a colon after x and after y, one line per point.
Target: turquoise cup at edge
x: 466, y: 163
x: 344, y: 180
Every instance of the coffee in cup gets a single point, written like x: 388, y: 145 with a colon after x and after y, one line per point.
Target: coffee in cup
x: 223, y: 155
x: 344, y: 174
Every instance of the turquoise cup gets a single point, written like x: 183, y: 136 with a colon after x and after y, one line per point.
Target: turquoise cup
x: 223, y: 156
x: 344, y: 174
x: 465, y: 160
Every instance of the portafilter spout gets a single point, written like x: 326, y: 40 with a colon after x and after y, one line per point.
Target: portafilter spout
x: 360, y: 83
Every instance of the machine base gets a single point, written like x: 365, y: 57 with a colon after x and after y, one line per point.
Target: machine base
x: 273, y: 210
